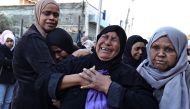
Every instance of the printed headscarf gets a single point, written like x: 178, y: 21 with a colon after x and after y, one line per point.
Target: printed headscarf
x: 175, y: 93
x: 40, y: 5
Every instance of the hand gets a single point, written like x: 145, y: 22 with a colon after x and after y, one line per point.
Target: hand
x: 98, y: 81
x: 82, y: 81
x: 56, y: 103
x: 81, y: 52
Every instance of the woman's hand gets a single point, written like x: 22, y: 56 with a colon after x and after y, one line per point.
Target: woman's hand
x: 97, y: 80
x: 81, y: 52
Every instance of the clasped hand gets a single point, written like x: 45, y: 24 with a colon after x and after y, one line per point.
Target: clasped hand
x: 95, y: 79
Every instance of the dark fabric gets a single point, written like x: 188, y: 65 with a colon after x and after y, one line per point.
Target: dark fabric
x: 127, y: 57
x: 6, y: 56
x: 120, y: 32
x: 59, y: 37
x: 132, y: 91
x: 34, y: 69
x: 96, y: 99
x: 128, y: 90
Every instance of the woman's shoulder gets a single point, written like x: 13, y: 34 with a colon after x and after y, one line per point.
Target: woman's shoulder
x: 32, y: 31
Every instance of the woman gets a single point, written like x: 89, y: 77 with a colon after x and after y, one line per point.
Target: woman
x: 135, y: 51
x: 119, y: 87
x: 32, y: 61
x: 166, y: 68
x: 7, y: 78
x: 60, y: 44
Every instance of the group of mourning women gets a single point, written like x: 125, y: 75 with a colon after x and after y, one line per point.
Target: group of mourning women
x: 97, y: 80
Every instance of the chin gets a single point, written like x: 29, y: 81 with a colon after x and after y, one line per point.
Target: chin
x: 104, y: 59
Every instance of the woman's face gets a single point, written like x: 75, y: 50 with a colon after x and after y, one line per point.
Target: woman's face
x: 58, y: 53
x: 162, y: 54
x: 137, y: 50
x: 108, y: 46
x: 49, y: 17
x: 9, y: 43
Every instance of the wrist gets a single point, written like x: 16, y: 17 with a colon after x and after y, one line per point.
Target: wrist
x: 106, y: 88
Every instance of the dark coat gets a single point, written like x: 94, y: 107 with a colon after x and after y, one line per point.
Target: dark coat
x: 127, y: 91
x: 6, y: 56
x: 34, y: 69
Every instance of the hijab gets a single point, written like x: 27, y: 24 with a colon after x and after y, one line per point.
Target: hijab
x: 7, y: 34
x: 175, y: 93
x: 3, y: 34
x: 40, y: 5
x: 60, y: 38
x: 117, y: 59
x: 96, y: 99
x: 127, y: 57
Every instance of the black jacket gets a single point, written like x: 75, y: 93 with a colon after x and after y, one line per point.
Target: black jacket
x: 127, y: 91
x: 6, y: 56
x: 33, y: 68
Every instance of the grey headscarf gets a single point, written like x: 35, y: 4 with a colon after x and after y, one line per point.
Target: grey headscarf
x: 40, y: 5
x: 175, y: 94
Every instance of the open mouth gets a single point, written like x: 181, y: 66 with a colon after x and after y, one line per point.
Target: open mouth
x: 105, y: 49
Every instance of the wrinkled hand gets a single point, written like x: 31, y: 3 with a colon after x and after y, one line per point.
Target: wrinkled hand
x: 82, y: 81
x: 81, y: 52
x: 97, y: 80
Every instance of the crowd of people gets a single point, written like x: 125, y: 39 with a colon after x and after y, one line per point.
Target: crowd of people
x: 47, y: 70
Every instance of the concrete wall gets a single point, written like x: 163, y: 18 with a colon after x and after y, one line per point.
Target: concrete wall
x: 69, y: 17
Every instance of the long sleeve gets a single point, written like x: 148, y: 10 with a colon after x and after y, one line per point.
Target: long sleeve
x: 38, y: 56
x: 130, y: 91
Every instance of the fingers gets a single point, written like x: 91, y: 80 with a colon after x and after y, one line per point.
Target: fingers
x: 87, y: 86
x: 89, y: 72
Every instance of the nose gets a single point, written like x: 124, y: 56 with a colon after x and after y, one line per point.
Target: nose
x: 140, y: 51
x: 161, y: 53
x: 51, y: 16
x: 107, y: 42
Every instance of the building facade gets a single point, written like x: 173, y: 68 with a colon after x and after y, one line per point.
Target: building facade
x: 74, y: 17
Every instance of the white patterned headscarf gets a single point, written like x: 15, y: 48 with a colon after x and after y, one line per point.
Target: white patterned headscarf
x: 40, y: 5
x: 175, y: 94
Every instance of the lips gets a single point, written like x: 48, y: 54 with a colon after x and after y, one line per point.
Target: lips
x: 160, y: 62
x: 51, y: 24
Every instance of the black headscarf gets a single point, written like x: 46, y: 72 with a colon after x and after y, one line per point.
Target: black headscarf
x: 60, y: 38
x: 127, y: 57
x: 122, y: 37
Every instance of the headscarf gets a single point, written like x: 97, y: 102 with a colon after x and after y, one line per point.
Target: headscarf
x: 175, y: 93
x: 7, y: 34
x: 40, y: 5
x: 3, y: 34
x: 62, y: 39
x: 127, y: 57
x: 122, y: 38
x: 96, y: 99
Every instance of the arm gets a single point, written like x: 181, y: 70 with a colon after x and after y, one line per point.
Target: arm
x: 132, y: 92
x: 37, y: 55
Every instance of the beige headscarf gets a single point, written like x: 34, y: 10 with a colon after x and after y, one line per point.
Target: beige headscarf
x: 40, y: 5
